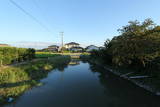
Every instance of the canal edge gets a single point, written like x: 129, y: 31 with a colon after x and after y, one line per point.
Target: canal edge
x: 137, y: 83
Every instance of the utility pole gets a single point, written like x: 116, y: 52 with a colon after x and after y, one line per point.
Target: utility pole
x: 61, y: 34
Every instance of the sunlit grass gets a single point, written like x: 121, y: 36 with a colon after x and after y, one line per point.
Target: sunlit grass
x: 50, y: 54
x: 16, y: 80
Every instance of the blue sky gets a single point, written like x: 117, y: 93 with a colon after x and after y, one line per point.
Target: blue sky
x: 83, y: 21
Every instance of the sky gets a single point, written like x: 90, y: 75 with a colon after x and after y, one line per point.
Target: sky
x: 84, y: 21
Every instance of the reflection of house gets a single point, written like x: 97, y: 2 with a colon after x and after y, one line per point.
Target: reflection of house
x: 91, y: 48
x: 73, y: 63
x: 4, y: 45
x: 71, y: 45
x: 53, y: 48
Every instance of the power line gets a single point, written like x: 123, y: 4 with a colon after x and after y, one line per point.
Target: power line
x: 30, y: 15
x: 40, y: 10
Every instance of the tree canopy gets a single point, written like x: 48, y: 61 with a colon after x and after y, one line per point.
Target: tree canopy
x: 138, y: 44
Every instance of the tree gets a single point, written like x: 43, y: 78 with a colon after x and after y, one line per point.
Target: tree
x: 138, y: 44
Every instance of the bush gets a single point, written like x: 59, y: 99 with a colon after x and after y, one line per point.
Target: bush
x: 9, y: 55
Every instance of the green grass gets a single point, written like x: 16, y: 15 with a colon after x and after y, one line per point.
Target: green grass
x: 50, y: 54
x: 46, y: 54
x: 15, y: 80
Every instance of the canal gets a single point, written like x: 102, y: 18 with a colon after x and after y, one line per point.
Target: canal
x: 85, y: 85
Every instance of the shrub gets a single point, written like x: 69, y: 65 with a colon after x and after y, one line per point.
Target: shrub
x: 9, y: 55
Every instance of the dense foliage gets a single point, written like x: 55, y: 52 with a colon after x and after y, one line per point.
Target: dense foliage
x: 9, y: 55
x: 138, y: 45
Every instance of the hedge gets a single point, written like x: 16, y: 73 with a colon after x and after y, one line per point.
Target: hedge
x: 9, y: 55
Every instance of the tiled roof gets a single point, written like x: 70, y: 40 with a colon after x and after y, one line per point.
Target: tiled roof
x: 90, y: 46
x: 72, y: 43
x: 53, y: 46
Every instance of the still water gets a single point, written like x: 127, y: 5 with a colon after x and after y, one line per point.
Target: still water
x: 85, y: 85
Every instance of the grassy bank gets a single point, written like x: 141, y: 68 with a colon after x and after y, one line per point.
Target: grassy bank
x: 51, y: 54
x: 14, y: 80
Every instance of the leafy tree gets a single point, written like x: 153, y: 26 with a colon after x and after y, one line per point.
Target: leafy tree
x: 137, y: 45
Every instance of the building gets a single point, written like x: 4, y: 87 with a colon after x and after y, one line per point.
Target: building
x: 76, y: 49
x: 71, y: 45
x: 53, y: 48
x: 4, y: 45
x: 91, y: 48
x: 101, y: 48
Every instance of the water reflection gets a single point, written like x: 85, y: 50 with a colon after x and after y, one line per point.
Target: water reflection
x: 74, y: 62
x: 85, y: 85
x: 61, y: 68
x: 122, y: 93
x: 13, y: 84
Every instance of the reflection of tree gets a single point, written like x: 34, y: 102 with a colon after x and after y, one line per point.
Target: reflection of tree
x: 62, y: 67
x: 84, y: 61
x: 121, y: 93
x: 95, y: 68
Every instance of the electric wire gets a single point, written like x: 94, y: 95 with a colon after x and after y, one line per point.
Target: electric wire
x: 30, y: 15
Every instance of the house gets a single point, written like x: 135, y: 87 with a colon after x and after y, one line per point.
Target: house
x: 100, y: 48
x: 91, y: 48
x: 53, y: 48
x: 76, y: 49
x: 4, y: 45
x: 71, y: 45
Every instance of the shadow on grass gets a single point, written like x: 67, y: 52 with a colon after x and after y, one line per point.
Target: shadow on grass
x: 11, y: 85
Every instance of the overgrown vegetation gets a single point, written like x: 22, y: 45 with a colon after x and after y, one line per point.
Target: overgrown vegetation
x: 134, y: 54
x: 137, y: 46
x: 9, y: 55
x: 17, y: 79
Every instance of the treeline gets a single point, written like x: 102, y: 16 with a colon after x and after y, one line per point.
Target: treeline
x: 138, y: 45
x: 9, y: 55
